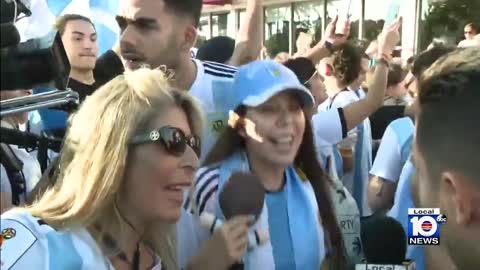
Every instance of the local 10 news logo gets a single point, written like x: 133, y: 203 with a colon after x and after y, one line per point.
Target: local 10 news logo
x: 424, y: 226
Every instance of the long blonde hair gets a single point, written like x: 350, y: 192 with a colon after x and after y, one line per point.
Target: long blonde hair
x: 94, y: 157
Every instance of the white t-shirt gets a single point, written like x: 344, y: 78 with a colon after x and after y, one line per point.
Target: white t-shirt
x: 29, y: 243
x: 394, y: 150
x: 329, y: 128
x: 31, y: 171
x: 212, y: 87
x: 475, y: 42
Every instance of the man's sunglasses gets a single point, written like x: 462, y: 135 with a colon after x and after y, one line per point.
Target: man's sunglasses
x: 173, y: 139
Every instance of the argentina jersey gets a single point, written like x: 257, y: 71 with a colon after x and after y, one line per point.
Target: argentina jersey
x: 212, y: 88
x: 326, y: 149
x: 402, y: 202
x: 393, y: 163
x: 29, y: 243
x: 394, y: 149
x: 356, y: 181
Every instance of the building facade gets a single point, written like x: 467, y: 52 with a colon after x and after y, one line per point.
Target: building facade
x: 284, y: 19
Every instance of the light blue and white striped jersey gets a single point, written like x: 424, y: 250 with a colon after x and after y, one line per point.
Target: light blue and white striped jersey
x: 329, y: 128
x: 393, y: 164
x: 326, y: 146
x: 28, y: 243
x: 403, y: 200
x: 394, y: 149
x: 212, y: 88
x: 357, y: 180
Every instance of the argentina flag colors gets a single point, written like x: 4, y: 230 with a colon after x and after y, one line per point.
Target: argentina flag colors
x: 44, y: 12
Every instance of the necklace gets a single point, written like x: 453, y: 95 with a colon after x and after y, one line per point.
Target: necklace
x: 135, y: 263
x: 120, y: 254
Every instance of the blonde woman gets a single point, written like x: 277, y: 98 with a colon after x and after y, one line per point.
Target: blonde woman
x: 130, y: 152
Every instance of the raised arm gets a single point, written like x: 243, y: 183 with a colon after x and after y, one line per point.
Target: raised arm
x: 249, y: 39
x: 356, y: 112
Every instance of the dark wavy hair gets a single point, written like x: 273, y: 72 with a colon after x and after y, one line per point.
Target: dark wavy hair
x: 305, y: 160
x: 346, y: 63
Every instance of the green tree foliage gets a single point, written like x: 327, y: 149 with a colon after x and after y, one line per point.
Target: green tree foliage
x: 277, y: 43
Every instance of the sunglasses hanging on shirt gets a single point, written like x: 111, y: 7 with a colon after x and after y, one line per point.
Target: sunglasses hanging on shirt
x: 173, y: 139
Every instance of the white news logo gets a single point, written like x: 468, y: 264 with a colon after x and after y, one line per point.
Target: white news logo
x: 423, y: 226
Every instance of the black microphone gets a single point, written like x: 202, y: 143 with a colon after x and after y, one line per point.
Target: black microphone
x: 9, y: 35
x: 242, y: 195
x: 383, y: 239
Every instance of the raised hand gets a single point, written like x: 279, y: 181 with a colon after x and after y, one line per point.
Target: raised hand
x: 226, y: 246
x: 331, y: 34
x: 389, y: 38
x: 235, y: 238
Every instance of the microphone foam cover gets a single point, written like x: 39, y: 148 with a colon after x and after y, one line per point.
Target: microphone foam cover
x: 9, y: 34
x: 383, y: 240
x: 242, y: 195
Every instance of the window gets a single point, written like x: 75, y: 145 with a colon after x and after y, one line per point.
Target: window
x: 277, y: 30
x: 220, y: 24
x: 241, y: 18
x: 203, y: 31
x: 308, y: 18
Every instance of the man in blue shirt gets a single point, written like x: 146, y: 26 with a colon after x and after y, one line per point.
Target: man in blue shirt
x: 389, y: 188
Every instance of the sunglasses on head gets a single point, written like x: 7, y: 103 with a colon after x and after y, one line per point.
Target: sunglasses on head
x: 173, y: 139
